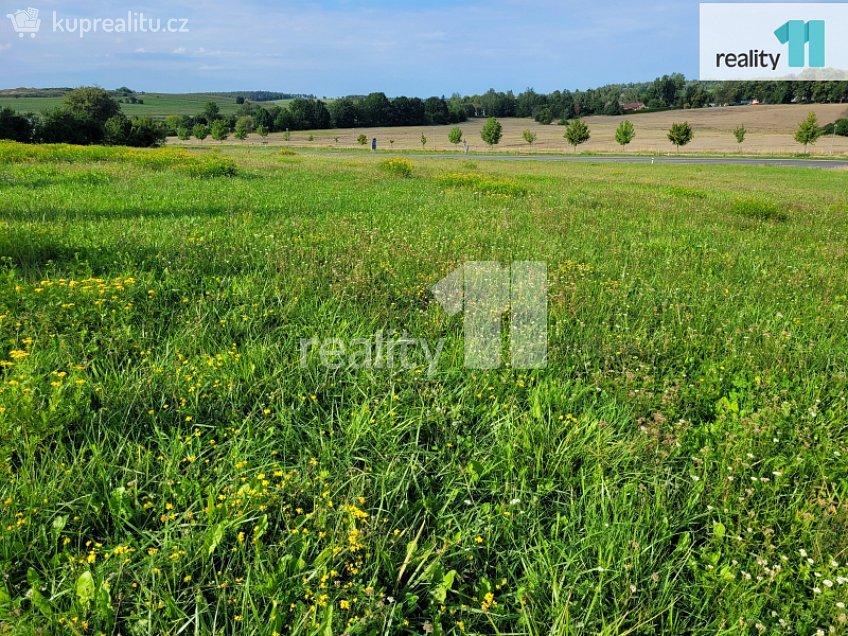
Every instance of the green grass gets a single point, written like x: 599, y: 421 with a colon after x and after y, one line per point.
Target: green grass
x: 156, y: 105
x: 169, y: 467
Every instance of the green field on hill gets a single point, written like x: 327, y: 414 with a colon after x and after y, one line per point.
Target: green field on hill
x: 171, y: 461
x: 156, y: 105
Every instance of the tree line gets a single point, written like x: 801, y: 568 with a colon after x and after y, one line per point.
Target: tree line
x: 93, y: 115
x: 668, y: 92
x: 86, y: 116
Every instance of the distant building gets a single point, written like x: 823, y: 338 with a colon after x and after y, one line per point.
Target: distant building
x: 633, y: 106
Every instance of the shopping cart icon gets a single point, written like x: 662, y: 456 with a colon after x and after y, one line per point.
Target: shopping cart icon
x: 25, y: 21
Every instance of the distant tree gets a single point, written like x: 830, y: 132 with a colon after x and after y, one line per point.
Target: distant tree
x: 200, y: 132
x: 146, y: 133
x: 173, y: 123
x: 577, y: 133
x: 455, y: 135
x: 625, y: 133
x: 211, y: 112
x: 423, y: 141
x: 220, y: 130
x: 15, y: 127
x: 183, y: 134
x: 343, y: 113
x: 492, y: 132
x: 436, y: 110
x: 808, y: 131
x: 239, y: 100
x: 91, y: 108
x: 739, y: 132
x: 95, y: 104
x: 362, y: 140
x: 243, y: 127
x: 262, y: 131
x: 141, y: 132
x: 117, y: 130
x: 62, y: 126
x: 529, y: 136
x: 680, y: 134
x: 544, y: 116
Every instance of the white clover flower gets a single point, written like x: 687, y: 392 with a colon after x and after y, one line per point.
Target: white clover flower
x: 828, y: 583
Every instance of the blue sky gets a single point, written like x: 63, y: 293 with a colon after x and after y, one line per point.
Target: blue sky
x: 339, y: 47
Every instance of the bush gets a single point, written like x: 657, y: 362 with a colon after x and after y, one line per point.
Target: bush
x: 398, y: 167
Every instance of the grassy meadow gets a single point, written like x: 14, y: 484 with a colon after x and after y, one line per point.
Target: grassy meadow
x: 156, y: 105
x: 169, y: 466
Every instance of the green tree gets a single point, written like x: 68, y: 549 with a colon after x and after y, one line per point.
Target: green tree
x: 455, y: 135
x: 739, y: 132
x: 808, y: 131
x: 625, y: 133
x: 117, y: 130
x: 95, y: 104
x: 492, y: 132
x: 362, y: 140
x: 91, y: 108
x: 146, y: 133
x: 14, y: 126
x: 211, y: 112
x: 423, y: 140
x: 577, y: 133
x: 529, y: 136
x: 680, y: 134
x: 220, y: 131
x: 244, y: 125
x: 200, y: 132
x: 183, y: 134
x: 262, y: 131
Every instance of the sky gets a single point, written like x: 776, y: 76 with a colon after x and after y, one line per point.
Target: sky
x: 332, y: 48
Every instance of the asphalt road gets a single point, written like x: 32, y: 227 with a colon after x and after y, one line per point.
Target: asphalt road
x: 721, y: 161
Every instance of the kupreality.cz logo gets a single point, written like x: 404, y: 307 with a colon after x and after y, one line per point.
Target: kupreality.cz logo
x: 28, y: 22
x: 774, y: 41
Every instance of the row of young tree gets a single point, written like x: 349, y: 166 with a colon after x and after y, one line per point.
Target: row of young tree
x: 86, y: 116
x: 577, y: 132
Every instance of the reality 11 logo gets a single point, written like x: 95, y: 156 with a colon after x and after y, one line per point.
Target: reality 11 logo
x: 486, y: 292
x: 799, y: 35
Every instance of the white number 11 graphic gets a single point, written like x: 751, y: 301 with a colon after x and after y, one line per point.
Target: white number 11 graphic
x: 486, y: 293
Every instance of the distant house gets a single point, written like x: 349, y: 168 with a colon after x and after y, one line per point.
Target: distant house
x: 633, y: 106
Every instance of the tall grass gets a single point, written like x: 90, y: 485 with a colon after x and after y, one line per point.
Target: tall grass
x: 168, y: 466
